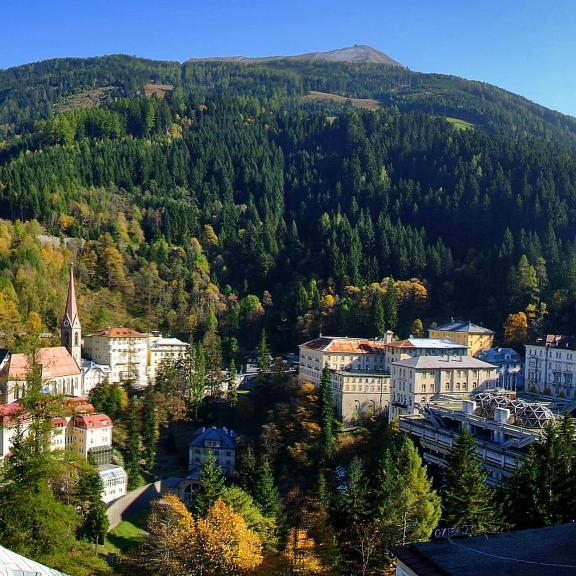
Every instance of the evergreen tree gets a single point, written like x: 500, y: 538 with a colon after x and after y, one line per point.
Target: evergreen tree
x: 266, y: 493
x: 212, y: 347
x: 89, y: 500
x: 248, y: 471
x: 211, y: 485
x: 417, y: 328
x: 149, y: 428
x: 132, y: 453
x: 327, y: 441
x: 378, y: 315
x: 263, y: 352
x: 542, y: 491
x: 466, y: 498
x: 233, y: 386
x: 391, y: 305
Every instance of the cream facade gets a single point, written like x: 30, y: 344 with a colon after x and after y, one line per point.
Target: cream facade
x: 124, y: 350
x: 476, y: 338
x: 161, y: 350
x: 414, y: 347
x: 421, y: 380
x: 550, y: 366
x: 358, y: 372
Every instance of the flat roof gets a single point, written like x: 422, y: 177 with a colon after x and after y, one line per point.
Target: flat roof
x: 431, y: 343
x: 538, y: 552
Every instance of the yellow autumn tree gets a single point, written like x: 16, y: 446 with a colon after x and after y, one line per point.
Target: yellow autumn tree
x: 516, y: 329
x: 225, y: 546
x: 218, y: 545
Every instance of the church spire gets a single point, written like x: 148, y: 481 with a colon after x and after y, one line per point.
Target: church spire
x: 71, y: 313
x: 71, y: 330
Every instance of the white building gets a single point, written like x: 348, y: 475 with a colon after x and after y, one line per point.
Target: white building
x: 420, y: 380
x: 92, y: 375
x: 90, y: 433
x: 550, y: 366
x: 220, y: 441
x: 162, y: 349
x: 124, y: 350
x: 114, y: 480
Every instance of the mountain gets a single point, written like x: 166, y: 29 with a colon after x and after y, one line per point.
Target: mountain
x: 281, y: 195
x: 359, y: 53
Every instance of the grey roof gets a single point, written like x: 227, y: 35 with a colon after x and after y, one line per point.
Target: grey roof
x: 463, y: 326
x: 443, y: 362
x: 539, y: 552
x: 225, y: 436
x: 12, y: 564
x: 500, y: 355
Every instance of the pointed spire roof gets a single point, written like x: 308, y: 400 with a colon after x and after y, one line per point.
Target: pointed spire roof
x: 71, y: 313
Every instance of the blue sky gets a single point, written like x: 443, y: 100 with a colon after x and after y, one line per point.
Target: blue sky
x: 526, y: 46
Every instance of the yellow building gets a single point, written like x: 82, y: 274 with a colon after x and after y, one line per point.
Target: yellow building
x: 476, y: 338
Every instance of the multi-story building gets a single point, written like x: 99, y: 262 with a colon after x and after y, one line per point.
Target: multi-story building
x: 413, y: 347
x: 419, y: 381
x: 162, y: 349
x: 92, y: 375
x: 124, y: 350
x: 476, y: 338
x: 360, y: 382
x: 509, y: 367
x: 220, y: 441
x: 550, y: 366
x: 81, y: 431
x: 503, y: 427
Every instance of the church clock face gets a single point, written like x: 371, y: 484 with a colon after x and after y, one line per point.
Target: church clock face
x: 66, y: 323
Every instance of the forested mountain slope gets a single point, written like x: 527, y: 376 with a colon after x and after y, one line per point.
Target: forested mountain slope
x: 230, y: 199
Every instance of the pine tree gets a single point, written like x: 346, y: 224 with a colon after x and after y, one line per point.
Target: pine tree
x: 409, y: 508
x: 379, y: 316
x: 391, y: 305
x: 266, y: 493
x: 89, y: 500
x: 233, y: 386
x: 542, y: 491
x: 466, y: 498
x: 247, y: 471
x: 149, y: 428
x: 263, y: 352
x: 327, y: 442
x: 211, y: 485
x: 212, y: 347
x: 417, y: 328
x: 132, y: 454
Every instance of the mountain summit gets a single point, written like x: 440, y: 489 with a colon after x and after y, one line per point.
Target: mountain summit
x: 353, y: 54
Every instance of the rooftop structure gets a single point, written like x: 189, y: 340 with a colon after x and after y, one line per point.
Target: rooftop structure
x: 339, y: 345
x: 119, y: 333
x: 503, y: 427
x: 439, y: 344
x: 444, y: 362
x: 207, y: 436
x: 462, y: 326
x: 538, y: 552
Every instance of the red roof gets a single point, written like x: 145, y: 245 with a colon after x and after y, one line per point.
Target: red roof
x: 120, y: 333
x: 79, y: 404
x: 12, y: 413
x: 93, y: 421
x: 55, y: 361
x: 401, y: 344
x: 337, y: 345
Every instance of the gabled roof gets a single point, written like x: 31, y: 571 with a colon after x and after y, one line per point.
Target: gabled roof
x: 225, y: 436
x: 463, y: 326
x: 162, y: 342
x: 430, y: 343
x: 338, y: 345
x: 444, y: 363
x: 55, y: 361
x: 92, y: 421
x: 119, y: 333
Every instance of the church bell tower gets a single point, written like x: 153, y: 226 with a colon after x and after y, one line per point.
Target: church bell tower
x: 70, y: 330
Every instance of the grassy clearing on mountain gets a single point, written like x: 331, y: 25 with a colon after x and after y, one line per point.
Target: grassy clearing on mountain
x: 366, y: 103
x: 460, y: 124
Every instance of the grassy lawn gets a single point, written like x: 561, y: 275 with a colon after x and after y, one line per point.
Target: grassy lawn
x: 125, y: 536
x: 460, y: 124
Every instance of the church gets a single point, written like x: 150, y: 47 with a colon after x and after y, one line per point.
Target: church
x: 61, y: 365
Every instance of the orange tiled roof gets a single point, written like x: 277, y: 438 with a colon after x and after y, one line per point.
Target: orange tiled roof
x: 56, y: 362
x: 93, y: 421
x: 120, y: 333
x: 339, y: 345
x: 12, y: 414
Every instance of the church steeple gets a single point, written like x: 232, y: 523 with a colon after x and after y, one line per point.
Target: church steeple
x: 71, y: 330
